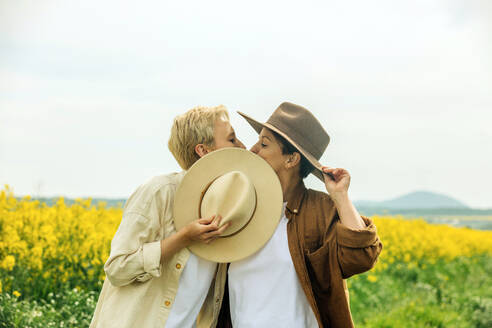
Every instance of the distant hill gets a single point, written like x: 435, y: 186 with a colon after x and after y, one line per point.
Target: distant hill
x: 421, y: 204
x: 416, y: 200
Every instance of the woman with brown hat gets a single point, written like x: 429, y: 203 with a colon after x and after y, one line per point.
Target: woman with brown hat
x: 297, y: 278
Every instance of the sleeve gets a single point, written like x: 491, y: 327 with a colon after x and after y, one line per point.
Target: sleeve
x: 135, y: 254
x: 357, y: 249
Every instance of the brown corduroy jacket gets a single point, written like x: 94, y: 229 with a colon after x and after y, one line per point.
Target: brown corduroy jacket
x: 324, y: 252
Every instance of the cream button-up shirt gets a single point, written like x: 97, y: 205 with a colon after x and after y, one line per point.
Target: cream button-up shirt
x: 139, y: 290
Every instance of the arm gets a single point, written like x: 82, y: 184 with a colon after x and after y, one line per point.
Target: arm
x: 337, y: 182
x: 136, y: 254
x: 358, y: 245
x: 357, y: 250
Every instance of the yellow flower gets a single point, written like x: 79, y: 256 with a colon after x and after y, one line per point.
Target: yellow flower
x: 8, y: 263
x: 16, y: 293
x: 62, y: 242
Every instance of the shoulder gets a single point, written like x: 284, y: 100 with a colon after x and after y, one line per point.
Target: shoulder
x: 318, y: 197
x: 163, y: 182
x: 319, y: 204
x: 160, y: 188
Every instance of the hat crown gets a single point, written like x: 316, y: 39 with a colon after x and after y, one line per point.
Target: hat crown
x: 302, y: 127
x: 232, y: 196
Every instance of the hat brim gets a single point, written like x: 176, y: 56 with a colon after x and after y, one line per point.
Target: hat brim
x: 257, y: 126
x: 268, y: 207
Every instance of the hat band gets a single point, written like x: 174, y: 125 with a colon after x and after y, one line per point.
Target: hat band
x: 245, y: 224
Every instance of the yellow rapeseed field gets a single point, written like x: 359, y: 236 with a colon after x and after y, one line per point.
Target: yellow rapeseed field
x: 416, y: 242
x: 53, y: 245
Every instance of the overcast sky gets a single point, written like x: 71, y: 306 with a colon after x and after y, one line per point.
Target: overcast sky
x: 88, y: 89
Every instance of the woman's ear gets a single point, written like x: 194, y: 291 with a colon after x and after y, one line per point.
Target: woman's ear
x: 293, y: 160
x: 201, y: 150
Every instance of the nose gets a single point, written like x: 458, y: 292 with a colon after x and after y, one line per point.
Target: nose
x: 254, y: 149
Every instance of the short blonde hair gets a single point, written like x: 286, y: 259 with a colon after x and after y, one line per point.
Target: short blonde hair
x: 194, y: 127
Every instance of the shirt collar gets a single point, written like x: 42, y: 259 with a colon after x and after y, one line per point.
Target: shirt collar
x: 295, y: 201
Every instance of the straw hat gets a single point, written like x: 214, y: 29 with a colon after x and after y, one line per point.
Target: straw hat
x: 299, y: 127
x: 242, y: 188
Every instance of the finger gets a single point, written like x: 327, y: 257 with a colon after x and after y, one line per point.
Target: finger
x: 207, y: 236
x: 340, y: 170
x: 211, y: 234
x: 327, y: 169
x: 341, y: 174
x: 329, y: 172
x: 206, y: 228
x: 328, y: 177
x: 217, y: 220
x: 206, y: 220
x: 223, y: 228
x: 215, y: 233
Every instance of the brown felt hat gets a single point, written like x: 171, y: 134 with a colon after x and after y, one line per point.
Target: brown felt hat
x: 299, y: 127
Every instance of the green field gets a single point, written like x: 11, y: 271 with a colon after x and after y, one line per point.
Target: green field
x: 453, y: 294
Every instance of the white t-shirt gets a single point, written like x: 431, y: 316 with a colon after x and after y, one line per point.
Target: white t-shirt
x: 193, y: 287
x: 264, y: 289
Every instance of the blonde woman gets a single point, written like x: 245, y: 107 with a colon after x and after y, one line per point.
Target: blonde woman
x: 152, y: 280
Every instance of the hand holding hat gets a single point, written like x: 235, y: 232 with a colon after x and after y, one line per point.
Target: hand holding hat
x: 204, y: 230
x: 337, y: 180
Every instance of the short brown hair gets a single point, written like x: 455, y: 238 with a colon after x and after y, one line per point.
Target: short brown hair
x: 287, y: 148
x: 194, y: 127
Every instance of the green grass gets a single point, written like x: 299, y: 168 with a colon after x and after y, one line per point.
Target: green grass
x: 455, y: 294
x: 68, y: 308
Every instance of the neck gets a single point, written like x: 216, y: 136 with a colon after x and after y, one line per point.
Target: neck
x: 289, y: 184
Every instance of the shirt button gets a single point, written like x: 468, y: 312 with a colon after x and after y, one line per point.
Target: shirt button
x: 178, y: 266
x: 167, y: 303
x: 295, y: 210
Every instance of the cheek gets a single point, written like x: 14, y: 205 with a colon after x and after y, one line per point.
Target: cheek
x: 220, y: 143
x: 270, y: 158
